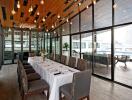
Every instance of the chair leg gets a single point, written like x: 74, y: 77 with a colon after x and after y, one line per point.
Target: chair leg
x: 48, y: 94
x: 88, y: 98
x: 24, y: 97
x: 60, y: 98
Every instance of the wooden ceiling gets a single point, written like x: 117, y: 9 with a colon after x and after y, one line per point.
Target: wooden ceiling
x: 49, y: 10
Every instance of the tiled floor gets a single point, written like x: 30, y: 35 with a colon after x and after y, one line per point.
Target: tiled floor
x: 100, y: 89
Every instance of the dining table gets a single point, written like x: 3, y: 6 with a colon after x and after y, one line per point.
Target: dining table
x: 54, y: 73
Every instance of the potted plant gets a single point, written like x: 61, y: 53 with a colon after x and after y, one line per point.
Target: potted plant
x: 66, y: 46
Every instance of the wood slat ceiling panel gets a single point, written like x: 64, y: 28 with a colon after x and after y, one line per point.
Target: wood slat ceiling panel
x: 54, y: 6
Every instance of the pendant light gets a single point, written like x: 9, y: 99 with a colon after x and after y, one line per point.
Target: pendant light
x: 18, y: 4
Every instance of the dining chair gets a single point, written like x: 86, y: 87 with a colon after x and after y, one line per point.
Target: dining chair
x: 63, y: 59
x: 72, y: 62
x: 32, y: 54
x: 33, y: 87
x: 82, y: 64
x: 79, y: 88
x: 52, y: 56
x: 30, y: 76
x: 57, y: 58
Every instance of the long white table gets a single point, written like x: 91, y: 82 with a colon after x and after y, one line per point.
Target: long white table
x: 54, y: 73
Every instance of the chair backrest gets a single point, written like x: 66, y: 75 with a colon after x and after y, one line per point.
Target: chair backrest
x: 23, y: 77
x: 57, y: 58
x: 63, y: 59
x: 82, y: 64
x: 72, y: 62
x: 81, y: 84
x: 32, y: 54
x: 52, y: 56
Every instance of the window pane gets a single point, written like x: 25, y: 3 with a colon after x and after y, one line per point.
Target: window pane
x: 86, y: 44
x: 66, y: 45
x: 8, y: 47
x: 65, y: 29
x: 122, y: 11
x: 57, y: 45
x: 34, y: 41
x: 102, y: 56
x: 86, y: 19
x: 17, y: 41
x: 75, y: 24
x: 53, y: 45
x: 103, y: 13
x: 25, y: 41
x: 123, y: 54
x: 76, y: 46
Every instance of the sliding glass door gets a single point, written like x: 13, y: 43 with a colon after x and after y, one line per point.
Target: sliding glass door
x: 102, y: 53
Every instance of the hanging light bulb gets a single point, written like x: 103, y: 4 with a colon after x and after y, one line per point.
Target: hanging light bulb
x: 115, y: 5
x: 94, y: 2
x: 79, y: 4
x: 42, y: 2
x: 37, y: 13
x: 31, y: 9
x: 58, y: 16
x: 87, y: 7
x: 35, y: 21
x: 71, y: 23
x: 47, y: 30
x: 67, y: 20
x: 54, y: 32
x: 9, y: 30
x: 18, y: 4
x: 43, y: 19
x: 53, y: 26
x: 13, y: 12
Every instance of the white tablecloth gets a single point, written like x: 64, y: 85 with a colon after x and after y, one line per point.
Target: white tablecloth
x: 47, y: 70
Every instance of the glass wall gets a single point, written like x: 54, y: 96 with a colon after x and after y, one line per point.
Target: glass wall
x: 86, y: 45
x: 102, y: 53
x: 40, y: 41
x: 26, y: 41
x: 57, y: 42
x: 103, y: 13
x: 8, y: 47
x: 17, y: 43
x: 75, y: 24
x: 76, y: 46
x: 48, y: 43
x: 86, y: 19
x: 66, y: 45
x: 123, y: 54
x: 122, y: 11
x: 34, y: 41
